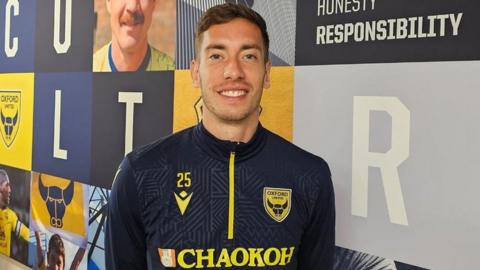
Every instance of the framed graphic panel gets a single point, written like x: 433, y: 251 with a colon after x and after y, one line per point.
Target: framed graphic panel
x: 14, y: 213
x: 17, y: 36
x: 129, y: 110
x: 64, y: 35
x: 62, y: 130
x: 16, y: 115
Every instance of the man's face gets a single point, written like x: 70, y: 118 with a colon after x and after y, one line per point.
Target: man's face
x: 5, y: 192
x: 231, y: 70
x: 130, y: 21
x: 55, y: 261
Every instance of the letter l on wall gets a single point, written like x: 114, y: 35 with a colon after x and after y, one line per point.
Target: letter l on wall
x: 387, y: 162
x: 57, y: 152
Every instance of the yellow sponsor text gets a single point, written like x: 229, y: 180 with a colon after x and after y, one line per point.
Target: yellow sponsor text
x: 238, y: 257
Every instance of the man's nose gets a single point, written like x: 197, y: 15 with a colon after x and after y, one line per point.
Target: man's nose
x: 133, y: 5
x: 233, y: 70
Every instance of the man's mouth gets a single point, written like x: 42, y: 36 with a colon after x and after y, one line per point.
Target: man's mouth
x: 233, y: 93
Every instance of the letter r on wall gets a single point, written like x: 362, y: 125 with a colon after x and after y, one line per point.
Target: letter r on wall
x: 387, y: 162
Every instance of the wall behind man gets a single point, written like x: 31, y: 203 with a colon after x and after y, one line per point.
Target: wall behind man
x: 385, y: 92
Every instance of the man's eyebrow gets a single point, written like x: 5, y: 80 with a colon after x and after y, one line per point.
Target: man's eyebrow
x: 251, y: 46
x: 215, y: 47
x: 243, y: 48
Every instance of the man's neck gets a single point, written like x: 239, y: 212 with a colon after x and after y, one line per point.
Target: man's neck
x: 128, y: 60
x: 235, y: 131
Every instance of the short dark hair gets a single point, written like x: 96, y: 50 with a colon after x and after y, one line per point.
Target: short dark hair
x: 55, y: 245
x: 225, y: 13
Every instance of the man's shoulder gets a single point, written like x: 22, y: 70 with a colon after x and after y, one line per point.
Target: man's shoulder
x: 100, y: 59
x: 160, y: 150
x: 294, y: 155
x: 160, y: 61
x: 292, y: 150
x: 9, y: 215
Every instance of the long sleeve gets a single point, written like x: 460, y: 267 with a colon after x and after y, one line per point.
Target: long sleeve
x: 317, y: 248
x: 125, y: 244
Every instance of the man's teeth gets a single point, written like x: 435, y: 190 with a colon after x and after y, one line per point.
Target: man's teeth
x: 233, y: 93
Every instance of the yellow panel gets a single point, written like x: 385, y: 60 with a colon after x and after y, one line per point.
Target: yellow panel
x: 73, y: 220
x: 184, y: 98
x: 16, y: 132
x: 277, y: 102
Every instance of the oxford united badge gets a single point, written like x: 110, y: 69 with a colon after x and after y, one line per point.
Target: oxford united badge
x: 10, y: 110
x: 277, y: 202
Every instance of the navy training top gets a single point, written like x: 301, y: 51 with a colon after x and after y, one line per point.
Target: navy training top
x: 191, y: 200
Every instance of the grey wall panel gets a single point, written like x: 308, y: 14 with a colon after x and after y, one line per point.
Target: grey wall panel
x: 279, y: 15
x: 438, y: 180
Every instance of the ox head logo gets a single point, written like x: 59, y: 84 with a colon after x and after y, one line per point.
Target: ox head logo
x: 277, y: 208
x: 8, y: 124
x: 57, y: 200
x: 9, y: 115
x: 277, y: 202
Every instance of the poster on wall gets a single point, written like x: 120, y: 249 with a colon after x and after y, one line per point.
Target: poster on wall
x: 130, y: 109
x: 14, y: 213
x: 395, y: 125
x: 59, y: 218
x: 141, y: 39
x: 378, y: 31
x: 62, y: 130
x: 16, y: 119
x: 402, y: 146
x: 17, y: 36
x: 63, y: 35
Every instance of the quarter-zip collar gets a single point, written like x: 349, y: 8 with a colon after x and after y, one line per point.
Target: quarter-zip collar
x: 221, y: 149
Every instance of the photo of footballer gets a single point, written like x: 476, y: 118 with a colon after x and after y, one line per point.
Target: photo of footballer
x: 59, y: 215
x: 14, y: 215
x: 134, y: 35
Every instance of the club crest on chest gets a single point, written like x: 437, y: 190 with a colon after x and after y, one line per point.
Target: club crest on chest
x: 277, y: 202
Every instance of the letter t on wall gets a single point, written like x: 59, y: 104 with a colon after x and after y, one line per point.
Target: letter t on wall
x: 130, y: 98
x: 387, y: 162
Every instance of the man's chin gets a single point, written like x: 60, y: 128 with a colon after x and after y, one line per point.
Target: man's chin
x: 130, y: 44
x: 232, y: 116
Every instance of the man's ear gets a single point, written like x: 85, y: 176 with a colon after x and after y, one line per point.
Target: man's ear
x: 194, y: 73
x: 266, y: 78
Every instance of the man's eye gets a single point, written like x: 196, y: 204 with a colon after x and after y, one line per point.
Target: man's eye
x: 215, y: 56
x: 250, y: 57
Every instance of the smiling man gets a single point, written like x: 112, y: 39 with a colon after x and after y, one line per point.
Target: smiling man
x: 129, y: 49
x: 227, y: 192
